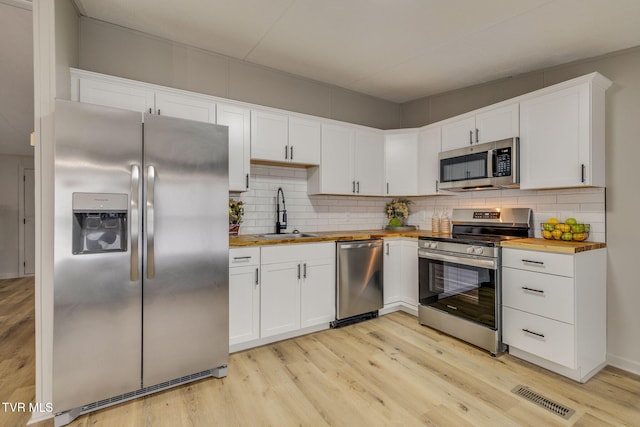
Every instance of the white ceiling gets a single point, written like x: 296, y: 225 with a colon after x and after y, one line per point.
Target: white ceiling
x: 397, y: 50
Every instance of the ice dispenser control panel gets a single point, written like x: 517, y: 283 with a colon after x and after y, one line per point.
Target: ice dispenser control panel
x: 99, y: 223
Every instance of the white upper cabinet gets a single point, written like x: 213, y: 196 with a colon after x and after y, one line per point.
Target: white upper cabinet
x: 491, y: 124
x: 369, y: 162
x: 304, y: 141
x: 401, y: 163
x: 284, y: 139
x: 351, y: 162
x: 239, y: 121
x: 428, y: 171
x: 116, y: 94
x: 562, y: 136
x: 189, y: 107
x: 269, y: 136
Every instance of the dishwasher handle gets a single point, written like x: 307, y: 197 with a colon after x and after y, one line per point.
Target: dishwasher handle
x: 360, y: 244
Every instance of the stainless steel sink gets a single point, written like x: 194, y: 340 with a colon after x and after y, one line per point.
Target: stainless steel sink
x: 276, y: 236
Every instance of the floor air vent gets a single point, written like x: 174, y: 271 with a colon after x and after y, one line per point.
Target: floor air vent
x: 542, y: 401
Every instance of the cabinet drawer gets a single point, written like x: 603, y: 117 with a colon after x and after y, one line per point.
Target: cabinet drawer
x: 240, y: 257
x: 541, y: 262
x: 546, y: 338
x: 542, y: 294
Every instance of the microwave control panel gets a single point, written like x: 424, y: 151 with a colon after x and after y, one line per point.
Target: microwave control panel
x: 502, y: 162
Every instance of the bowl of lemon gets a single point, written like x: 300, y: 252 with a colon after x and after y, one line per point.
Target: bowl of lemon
x: 569, y: 230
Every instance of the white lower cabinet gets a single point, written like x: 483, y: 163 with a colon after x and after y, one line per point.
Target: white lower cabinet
x: 244, y: 295
x: 554, y: 309
x: 400, y: 266
x: 297, y: 287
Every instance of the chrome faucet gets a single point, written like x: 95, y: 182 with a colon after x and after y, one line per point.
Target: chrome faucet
x: 280, y: 225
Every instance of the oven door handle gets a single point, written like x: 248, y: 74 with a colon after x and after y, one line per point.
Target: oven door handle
x: 459, y: 259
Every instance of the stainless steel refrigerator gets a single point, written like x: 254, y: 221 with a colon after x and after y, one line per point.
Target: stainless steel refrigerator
x: 141, y: 255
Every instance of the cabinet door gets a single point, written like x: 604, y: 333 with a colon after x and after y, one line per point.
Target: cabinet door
x: 409, y: 267
x: 117, y: 95
x: 244, y: 304
x: 185, y: 107
x: 269, y: 136
x: 239, y: 121
x: 304, y: 141
x: 280, y: 298
x: 499, y: 123
x: 392, y: 274
x: 336, y: 173
x: 401, y: 164
x: 555, y: 139
x: 369, y: 163
x: 458, y: 134
x: 318, y: 292
x: 429, y: 168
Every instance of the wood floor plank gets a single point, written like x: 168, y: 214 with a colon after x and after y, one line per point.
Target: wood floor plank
x: 389, y: 371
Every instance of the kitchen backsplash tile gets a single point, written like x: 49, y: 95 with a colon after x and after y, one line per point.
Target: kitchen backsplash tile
x: 326, y: 213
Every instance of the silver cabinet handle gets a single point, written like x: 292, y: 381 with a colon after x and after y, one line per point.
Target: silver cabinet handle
x: 539, y: 291
x: 437, y: 186
x: 353, y: 186
x: 257, y: 276
x: 470, y: 137
x: 298, y: 271
x: 582, y: 169
x: 151, y: 183
x: 247, y: 182
x: 358, y: 187
x: 387, y: 188
x: 387, y: 249
x: 286, y: 152
x: 158, y: 111
x: 477, y: 135
x: 452, y: 307
x: 533, y: 333
x: 133, y: 221
x: 304, y: 274
x: 528, y: 261
x: 291, y: 153
x: 150, y: 111
x: 242, y: 258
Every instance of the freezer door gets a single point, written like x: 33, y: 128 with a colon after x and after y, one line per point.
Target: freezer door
x: 185, y: 271
x: 97, y: 298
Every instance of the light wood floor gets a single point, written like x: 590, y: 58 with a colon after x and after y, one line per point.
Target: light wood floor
x: 388, y: 371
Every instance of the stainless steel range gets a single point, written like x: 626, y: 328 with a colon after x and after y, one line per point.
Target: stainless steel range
x: 459, y: 275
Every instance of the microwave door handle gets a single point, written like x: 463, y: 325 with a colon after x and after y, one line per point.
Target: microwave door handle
x: 491, y: 165
x: 515, y: 161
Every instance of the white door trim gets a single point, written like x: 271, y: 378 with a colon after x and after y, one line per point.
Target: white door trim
x: 21, y: 218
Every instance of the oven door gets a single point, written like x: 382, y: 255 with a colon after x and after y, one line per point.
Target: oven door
x: 462, y: 285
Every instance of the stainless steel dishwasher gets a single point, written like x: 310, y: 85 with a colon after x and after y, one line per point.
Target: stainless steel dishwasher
x: 358, y: 281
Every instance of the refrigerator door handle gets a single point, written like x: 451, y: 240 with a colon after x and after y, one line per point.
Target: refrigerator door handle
x: 151, y: 182
x: 134, y: 221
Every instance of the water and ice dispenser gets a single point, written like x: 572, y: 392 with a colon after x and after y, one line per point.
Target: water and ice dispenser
x: 99, y: 222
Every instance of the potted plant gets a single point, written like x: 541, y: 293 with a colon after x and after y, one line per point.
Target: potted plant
x: 236, y: 211
x: 398, y: 212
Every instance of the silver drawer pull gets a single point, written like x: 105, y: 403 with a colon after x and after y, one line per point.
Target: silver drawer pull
x: 452, y: 307
x: 528, y: 261
x: 524, y: 288
x: 533, y: 333
x: 241, y: 258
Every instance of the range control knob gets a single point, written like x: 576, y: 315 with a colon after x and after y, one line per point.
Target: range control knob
x: 470, y: 250
x: 433, y: 245
x: 478, y: 250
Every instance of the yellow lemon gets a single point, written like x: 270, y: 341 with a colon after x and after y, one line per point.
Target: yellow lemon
x: 553, y: 220
x: 547, y: 234
x: 557, y: 234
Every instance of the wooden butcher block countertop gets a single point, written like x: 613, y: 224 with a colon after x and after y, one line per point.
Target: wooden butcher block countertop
x: 559, y: 246
x: 323, y: 236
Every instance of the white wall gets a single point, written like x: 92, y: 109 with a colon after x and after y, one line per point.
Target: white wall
x: 9, y: 213
x: 328, y: 213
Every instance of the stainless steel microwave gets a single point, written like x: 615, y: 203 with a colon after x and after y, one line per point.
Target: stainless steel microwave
x: 487, y: 166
